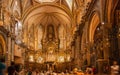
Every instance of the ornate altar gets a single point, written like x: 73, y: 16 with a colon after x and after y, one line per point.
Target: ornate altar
x: 50, y: 45
x: 50, y: 54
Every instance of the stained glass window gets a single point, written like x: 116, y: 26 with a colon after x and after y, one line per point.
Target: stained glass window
x: 18, y: 31
x: 61, y: 36
x: 69, y: 2
x: 40, y: 34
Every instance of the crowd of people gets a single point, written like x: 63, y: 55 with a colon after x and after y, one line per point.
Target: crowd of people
x: 16, y: 69
x: 89, y: 71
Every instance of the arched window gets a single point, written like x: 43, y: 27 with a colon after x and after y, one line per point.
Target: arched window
x: 18, y: 31
x: 31, y: 36
x: 62, y: 37
x: 69, y: 2
x: 40, y: 35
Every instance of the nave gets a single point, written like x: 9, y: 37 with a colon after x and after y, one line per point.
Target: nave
x: 60, y: 36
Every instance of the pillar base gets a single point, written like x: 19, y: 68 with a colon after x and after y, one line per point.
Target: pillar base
x: 101, y: 64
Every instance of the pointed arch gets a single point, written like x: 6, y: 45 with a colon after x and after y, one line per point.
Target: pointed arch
x: 40, y: 36
x: 93, y: 25
x: 2, y: 45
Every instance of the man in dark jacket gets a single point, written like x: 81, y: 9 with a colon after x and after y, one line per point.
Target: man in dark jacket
x: 11, y: 69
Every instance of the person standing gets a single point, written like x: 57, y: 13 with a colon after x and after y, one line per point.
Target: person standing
x: 115, y: 68
x: 89, y: 70
x: 42, y: 73
x: 2, y: 66
x: 11, y: 69
x: 34, y: 72
x: 29, y: 72
x: 37, y: 72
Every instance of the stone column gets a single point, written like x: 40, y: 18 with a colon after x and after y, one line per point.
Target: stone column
x: 105, y: 59
x: 100, y: 66
x: 88, y: 53
x: 78, y: 62
x: 23, y: 55
x: 12, y: 49
x: 12, y: 40
x: 106, y: 47
x: 8, y: 49
x: 73, y: 55
x: 88, y: 57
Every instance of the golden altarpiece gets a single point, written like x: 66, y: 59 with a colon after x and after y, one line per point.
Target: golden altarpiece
x: 49, y: 50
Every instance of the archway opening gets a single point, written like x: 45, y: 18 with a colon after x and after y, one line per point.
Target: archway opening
x: 2, y: 47
x: 93, y: 25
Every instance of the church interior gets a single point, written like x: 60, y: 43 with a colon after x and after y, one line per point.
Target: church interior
x: 60, y: 35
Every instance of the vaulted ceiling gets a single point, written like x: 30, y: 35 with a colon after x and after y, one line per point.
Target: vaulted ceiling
x: 67, y: 13
x: 65, y: 9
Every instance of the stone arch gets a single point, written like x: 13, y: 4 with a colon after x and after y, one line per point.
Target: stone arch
x: 109, y: 8
x: 93, y: 25
x: 89, y: 31
x: 16, y: 14
x: 27, y: 12
x: 53, y: 15
x: 2, y: 45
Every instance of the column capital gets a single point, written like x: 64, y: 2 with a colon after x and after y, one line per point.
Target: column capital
x: 13, y: 36
x: 8, y: 34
